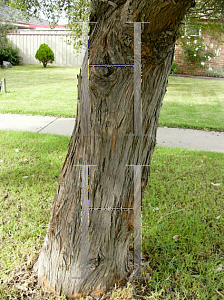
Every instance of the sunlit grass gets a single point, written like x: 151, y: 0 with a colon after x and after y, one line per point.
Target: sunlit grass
x: 183, y: 227
x: 193, y: 103
x: 29, y: 167
x: 35, y: 90
x: 189, y: 102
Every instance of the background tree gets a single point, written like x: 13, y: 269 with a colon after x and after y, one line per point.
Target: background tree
x: 7, y: 17
x: 110, y: 144
x: 5, y: 26
x: 8, y: 52
x: 75, y: 11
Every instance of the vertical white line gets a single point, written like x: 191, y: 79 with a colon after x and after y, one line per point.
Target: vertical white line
x: 137, y: 221
x: 85, y: 223
x: 137, y: 79
x: 85, y: 110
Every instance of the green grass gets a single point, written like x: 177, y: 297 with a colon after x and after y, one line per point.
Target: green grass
x: 189, y: 102
x: 193, y: 103
x: 34, y: 90
x: 184, y: 198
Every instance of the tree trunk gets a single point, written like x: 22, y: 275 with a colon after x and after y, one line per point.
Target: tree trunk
x: 110, y: 146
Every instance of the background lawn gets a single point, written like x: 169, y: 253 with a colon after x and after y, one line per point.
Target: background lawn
x: 34, y: 90
x: 182, y: 219
x: 189, y: 102
x: 193, y: 103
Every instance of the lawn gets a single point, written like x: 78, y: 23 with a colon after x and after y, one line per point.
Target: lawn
x: 193, y: 103
x: 182, y: 219
x: 34, y: 90
x: 189, y: 102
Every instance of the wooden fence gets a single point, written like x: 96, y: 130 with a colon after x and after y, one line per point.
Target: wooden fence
x: 29, y: 41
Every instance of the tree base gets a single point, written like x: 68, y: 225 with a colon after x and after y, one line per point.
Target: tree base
x: 47, y: 288
x: 90, y: 293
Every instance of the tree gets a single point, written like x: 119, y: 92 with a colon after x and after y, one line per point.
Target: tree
x: 45, y: 55
x: 8, y: 52
x: 107, y: 143
x: 7, y: 17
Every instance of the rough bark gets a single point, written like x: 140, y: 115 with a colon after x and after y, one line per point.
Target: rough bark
x: 111, y: 146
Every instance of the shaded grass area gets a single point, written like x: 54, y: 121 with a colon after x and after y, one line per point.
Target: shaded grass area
x: 34, y: 90
x: 182, y: 219
x: 193, y: 103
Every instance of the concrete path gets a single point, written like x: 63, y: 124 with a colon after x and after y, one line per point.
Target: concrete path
x: 167, y: 137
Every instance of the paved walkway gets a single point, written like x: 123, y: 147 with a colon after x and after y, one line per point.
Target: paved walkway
x: 167, y: 137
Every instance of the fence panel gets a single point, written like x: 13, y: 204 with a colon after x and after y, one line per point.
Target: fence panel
x: 28, y: 43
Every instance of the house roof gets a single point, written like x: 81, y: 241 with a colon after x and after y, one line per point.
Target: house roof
x: 10, y: 14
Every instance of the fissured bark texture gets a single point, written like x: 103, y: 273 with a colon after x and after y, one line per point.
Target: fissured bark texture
x: 111, y: 146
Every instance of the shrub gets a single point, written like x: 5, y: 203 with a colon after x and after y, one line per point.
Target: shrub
x: 45, y: 55
x: 9, y: 52
x: 174, y: 68
x: 195, y: 51
x: 216, y: 72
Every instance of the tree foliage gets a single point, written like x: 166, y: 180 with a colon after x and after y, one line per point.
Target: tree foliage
x: 209, y: 9
x: 8, y: 52
x: 208, y: 16
x: 5, y: 25
x: 77, y: 11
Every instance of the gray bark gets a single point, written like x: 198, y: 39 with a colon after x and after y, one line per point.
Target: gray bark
x: 111, y: 146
